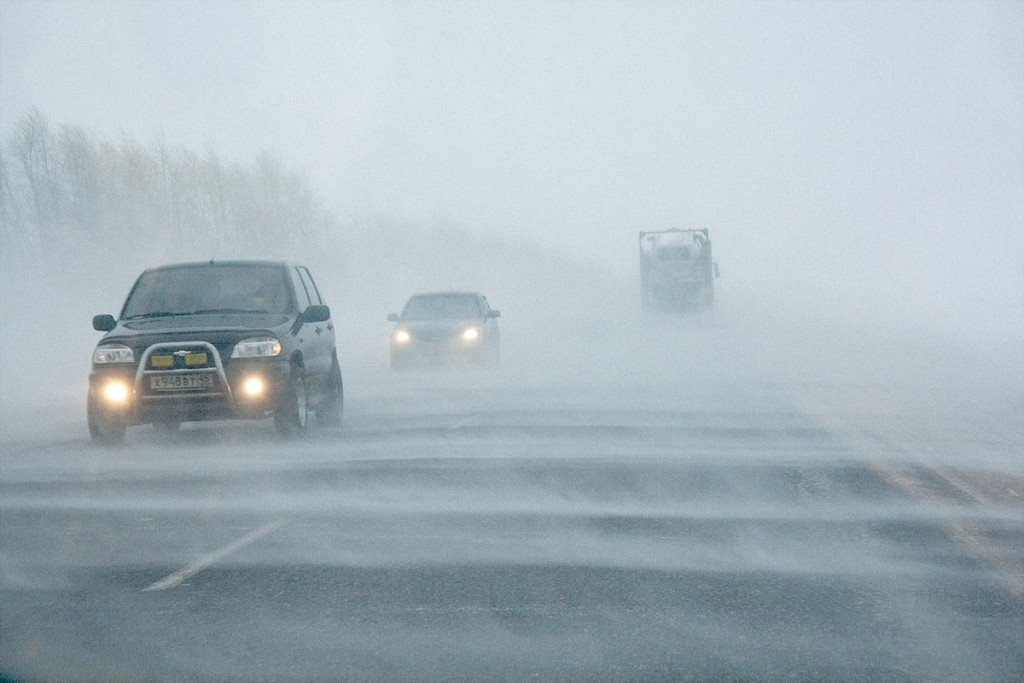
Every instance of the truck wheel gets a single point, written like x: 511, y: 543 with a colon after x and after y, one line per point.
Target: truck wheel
x: 328, y: 413
x: 292, y: 413
x: 104, y: 428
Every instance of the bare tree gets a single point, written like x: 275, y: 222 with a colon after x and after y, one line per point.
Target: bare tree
x: 32, y: 145
x: 79, y: 189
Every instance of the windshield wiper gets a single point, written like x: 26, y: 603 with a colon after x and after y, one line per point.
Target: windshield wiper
x: 227, y: 310
x: 157, y: 314
x: 202, y: 311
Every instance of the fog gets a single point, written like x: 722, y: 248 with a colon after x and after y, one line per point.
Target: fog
x: 859, y: 167
x: 860, y: 160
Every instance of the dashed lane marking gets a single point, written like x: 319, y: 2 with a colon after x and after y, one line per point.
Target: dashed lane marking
x: 202, y: 563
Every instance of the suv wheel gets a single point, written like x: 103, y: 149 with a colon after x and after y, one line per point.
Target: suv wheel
x: 104, y: 428
x: 292, y: 414
x: 328, y: 413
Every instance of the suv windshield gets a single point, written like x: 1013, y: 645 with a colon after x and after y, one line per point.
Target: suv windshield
x: 209, y: 289
x: 427, y: 306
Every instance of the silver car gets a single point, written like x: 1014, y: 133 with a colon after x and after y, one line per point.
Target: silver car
x: 445, y: 328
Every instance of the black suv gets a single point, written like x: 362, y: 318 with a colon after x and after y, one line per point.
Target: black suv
x: 209, y: 341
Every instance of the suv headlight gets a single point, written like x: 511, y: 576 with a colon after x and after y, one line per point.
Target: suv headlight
x: 256, y: 347
x: 113, y: 353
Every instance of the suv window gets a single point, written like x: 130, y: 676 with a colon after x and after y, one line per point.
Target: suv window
x: 208, y: 288
x: 300, y: 289
x: 311, y: 290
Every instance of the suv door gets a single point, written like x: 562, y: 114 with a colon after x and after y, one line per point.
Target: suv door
x: 319, y: 337
x: 303, y: 332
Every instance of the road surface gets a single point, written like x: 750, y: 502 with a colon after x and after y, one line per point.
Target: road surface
x: 488, y: 527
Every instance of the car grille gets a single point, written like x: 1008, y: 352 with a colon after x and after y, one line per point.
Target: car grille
x: 187, y: 358
x: 177, y: 369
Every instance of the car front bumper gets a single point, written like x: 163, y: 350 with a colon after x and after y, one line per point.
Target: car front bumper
x: 447, y: 352
x: 243, y: 389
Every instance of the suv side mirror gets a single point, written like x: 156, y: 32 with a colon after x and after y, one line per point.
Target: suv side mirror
x: 393, y: 317
x: 493, y: 313
x: 103, y: 323
x: 316, y: 314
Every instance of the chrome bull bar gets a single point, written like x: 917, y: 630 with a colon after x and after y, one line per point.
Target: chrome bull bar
x: 218, y: 368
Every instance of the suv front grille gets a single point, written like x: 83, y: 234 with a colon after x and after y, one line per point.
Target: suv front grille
x: 180, y: 359
x: 178, y: 369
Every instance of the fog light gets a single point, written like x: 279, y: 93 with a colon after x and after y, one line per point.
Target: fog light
x: 253, y: 387
x: 115, y: 392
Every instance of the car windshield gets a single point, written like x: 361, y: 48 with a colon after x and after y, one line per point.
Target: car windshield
x: 430, y: 306
x: 208, y: 289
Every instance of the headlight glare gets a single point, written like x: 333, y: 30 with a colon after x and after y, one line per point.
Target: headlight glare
x: 471, y: 334
x: 402, y: 337
x: 113, y: 353
x: 256, y: 347
x: 116, y: 392
x: 253, y: 386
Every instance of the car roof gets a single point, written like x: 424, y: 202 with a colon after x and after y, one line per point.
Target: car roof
x: 235, y: 262
x: 446, y: 293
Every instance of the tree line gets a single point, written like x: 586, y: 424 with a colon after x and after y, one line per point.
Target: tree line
x: 65, y: 190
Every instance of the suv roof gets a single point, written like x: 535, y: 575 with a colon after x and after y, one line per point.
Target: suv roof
x: 232, y: 262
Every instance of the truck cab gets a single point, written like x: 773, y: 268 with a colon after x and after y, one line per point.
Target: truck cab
x: 677, y: 273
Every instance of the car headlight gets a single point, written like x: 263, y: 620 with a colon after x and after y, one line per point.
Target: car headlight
x: 402, y: 337
x: 116, y: 392
x: 113, y: 353
x: 254, y: 386
x: 256, y: 347
x: 471, y: 334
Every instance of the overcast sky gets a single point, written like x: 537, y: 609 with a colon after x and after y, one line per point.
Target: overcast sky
x: 880, y: 143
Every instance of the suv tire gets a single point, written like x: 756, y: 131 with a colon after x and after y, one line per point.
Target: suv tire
x: 328, y: 413
x: 292, y: 414
x: 105, y: 429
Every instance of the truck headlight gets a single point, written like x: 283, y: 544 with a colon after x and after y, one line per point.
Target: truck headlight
x: 471, y: 334
x: 402, y: 337
x: 256, y: 347
x: 113, y: 353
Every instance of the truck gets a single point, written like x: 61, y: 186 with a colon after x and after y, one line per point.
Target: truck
x: 677, y: 274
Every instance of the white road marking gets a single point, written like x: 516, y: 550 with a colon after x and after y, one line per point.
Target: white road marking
x: 202, y: 563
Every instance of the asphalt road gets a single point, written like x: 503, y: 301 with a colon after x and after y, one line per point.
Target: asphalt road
x: 482, y: 528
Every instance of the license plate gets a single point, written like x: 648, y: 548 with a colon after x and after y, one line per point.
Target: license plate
x: 181, y: 381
